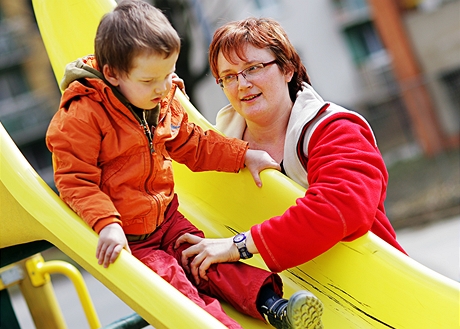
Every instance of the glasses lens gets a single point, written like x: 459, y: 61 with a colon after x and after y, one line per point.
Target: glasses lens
x: 229, y: 81
x: 253, y: 70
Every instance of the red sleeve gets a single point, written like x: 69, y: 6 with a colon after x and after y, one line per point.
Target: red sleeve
x: 347, y: 183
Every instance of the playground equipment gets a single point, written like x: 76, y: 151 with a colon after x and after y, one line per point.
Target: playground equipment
x: 363, y: 284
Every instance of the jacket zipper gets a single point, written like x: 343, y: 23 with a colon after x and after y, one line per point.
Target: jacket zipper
x: 147, y: 132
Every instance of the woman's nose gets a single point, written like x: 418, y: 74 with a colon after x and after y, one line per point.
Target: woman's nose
x: 243, y: 82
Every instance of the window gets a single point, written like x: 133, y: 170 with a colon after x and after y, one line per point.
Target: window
x: 363, y: 40
x: 451, y: 82
x: 350, y: 5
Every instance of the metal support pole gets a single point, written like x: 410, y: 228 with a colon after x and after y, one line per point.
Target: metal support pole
x: 39, y: 272
x: 41, y: 300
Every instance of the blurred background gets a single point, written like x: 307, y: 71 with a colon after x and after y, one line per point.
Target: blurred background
x: 397, y: 62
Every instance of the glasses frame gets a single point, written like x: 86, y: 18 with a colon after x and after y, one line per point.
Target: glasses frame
x: 220, y: 80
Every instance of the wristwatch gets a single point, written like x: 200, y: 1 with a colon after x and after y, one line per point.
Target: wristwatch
x: 240, y: 241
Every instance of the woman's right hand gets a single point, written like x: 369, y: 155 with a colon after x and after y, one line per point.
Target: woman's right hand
x: 256, y: 161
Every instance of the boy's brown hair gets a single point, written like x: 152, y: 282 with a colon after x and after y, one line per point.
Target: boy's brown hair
x: 134, y: 27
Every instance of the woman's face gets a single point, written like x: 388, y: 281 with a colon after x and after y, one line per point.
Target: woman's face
x: 259, y: 98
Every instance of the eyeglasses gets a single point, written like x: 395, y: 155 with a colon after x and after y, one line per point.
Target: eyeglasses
x: 230, y: 80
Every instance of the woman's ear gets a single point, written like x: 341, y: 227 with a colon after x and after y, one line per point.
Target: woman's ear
x: 289, y: 74
x: 110, y: 75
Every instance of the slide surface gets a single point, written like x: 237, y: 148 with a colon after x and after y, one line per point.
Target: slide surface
x: 363, y: 284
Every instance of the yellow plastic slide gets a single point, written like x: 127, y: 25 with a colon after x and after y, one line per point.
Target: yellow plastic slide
x: 363, y: 284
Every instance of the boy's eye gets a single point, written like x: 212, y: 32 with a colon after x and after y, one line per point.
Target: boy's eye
x: 147, y: 80
x: 154, y: 80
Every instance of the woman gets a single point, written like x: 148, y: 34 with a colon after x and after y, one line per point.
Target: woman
x: 328, y: 149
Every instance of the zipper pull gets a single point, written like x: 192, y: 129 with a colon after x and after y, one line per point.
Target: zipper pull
x: 147, y: 132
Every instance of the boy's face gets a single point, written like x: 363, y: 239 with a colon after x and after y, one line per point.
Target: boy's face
x: 149, y: 80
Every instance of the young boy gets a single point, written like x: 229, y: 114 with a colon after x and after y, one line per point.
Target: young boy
x: 113, y: 140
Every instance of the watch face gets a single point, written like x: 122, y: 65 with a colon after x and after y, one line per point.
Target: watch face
x: 238, y: 238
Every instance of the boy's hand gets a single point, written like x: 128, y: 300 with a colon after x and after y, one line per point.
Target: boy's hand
x: 112, y: 240
x: 180, y: 83
x: 256, y: 161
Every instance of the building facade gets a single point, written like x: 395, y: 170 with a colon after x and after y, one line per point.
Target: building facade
x: 350, y: 63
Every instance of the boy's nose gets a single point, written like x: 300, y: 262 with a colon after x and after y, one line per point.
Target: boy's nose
x: 163, y: 87
x: 160, y: 89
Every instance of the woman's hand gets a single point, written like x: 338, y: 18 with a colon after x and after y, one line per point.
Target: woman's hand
x: 112, y: 240
x: 206, y: 252
x: 256, y: 161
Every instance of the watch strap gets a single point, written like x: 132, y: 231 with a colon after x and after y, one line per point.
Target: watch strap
x: 240, y: 241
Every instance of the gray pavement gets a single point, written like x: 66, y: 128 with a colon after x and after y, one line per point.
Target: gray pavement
x: 436, y: 246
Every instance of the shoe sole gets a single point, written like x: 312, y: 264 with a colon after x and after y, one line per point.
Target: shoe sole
x: 305, y: 311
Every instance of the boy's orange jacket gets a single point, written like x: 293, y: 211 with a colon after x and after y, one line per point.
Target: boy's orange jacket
x: 105, y: 168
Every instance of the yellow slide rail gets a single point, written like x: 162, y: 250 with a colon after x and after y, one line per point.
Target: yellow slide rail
x: 363, y: 284
x: 41, y: 299
x: 31, y: 211
x: 32, y: 275
x: 39, y: 273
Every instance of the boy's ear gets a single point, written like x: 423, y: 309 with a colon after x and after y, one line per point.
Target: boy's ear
x: 110, y: 75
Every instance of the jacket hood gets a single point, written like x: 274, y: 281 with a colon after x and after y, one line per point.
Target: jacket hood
x: 85, y: 67
x: 96, y: 85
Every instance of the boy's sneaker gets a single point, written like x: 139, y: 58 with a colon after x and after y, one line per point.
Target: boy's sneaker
x: 302, y: 311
